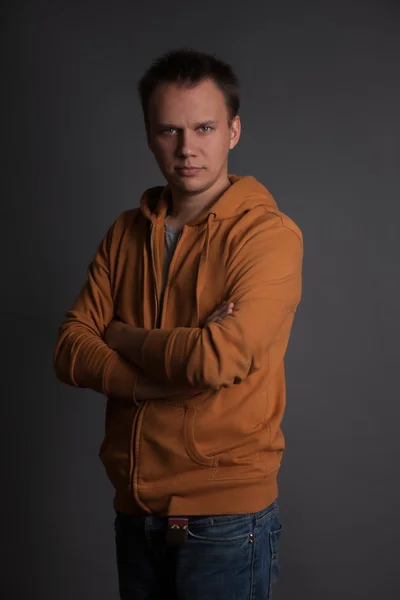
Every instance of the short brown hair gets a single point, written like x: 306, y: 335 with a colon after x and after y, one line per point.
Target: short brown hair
x: 189, y: 67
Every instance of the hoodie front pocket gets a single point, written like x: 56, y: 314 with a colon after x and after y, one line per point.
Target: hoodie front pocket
x: 191, y: 448
x: 164, y: 455
x: 239, y: 462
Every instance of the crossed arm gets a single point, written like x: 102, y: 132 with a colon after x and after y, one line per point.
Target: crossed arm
x: 93, y: 351
x: 264, y: 282
x: 128, y: 341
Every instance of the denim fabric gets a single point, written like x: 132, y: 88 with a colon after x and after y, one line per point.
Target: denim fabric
x: 227, y: 557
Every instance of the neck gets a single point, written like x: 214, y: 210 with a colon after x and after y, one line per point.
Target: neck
x: 187, y: 207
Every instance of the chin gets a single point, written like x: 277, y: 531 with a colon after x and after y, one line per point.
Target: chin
x: 189, y: 185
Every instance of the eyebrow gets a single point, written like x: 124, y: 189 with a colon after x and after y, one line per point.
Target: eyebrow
x: 210, y: 122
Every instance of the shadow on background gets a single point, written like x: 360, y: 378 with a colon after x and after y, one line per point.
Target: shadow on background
x: 56, y: 502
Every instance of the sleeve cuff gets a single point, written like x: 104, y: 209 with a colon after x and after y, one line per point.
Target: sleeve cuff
x: 154, y: 354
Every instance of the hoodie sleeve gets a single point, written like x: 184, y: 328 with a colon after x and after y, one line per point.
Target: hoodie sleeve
x: 264, y: 282
x: 81, y: 357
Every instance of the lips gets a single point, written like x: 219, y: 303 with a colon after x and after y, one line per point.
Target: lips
x: 188, y: 171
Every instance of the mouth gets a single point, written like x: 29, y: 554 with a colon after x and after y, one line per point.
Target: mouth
x: 188, y: 171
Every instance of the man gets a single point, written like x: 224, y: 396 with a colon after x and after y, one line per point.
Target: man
x: 183, y: 324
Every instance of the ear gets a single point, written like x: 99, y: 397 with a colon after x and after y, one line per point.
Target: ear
x: 235, y: 131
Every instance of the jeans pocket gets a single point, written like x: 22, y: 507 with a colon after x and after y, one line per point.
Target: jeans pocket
x: 222, y: 530
x: 274, y: 569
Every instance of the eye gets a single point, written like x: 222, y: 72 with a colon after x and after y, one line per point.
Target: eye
x: 205, y: 128
x: 168, y: 131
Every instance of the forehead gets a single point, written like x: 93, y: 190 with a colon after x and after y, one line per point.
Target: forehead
x: 171, y: 103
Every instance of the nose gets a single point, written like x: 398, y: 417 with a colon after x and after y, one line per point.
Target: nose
x: 186, y: 144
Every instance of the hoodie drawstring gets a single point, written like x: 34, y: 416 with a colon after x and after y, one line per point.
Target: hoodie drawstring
x: 202, y: 270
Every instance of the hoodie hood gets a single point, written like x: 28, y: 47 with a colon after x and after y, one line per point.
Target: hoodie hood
x: 244, y: 194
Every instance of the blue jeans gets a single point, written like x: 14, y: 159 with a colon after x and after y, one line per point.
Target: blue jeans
x: 227, y: 557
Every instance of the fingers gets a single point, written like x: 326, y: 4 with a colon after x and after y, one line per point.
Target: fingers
x: 225, y: 309
x: 221, y: 312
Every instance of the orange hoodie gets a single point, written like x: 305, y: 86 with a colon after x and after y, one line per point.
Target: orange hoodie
x: 217, y: 451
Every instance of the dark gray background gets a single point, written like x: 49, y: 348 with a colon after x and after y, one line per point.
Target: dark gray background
x: 321, y: 97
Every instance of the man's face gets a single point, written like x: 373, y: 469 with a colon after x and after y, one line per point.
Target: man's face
x: 190, y: 135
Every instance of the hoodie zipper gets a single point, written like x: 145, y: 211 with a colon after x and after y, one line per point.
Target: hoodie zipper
x: 161, y: 309
x: 132, y: 448
x: 157, y: 311
x: 156, y: 295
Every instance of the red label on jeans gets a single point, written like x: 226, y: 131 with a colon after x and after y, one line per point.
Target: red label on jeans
x: 177, y: 532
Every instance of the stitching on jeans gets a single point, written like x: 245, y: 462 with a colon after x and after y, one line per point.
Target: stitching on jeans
x: 221, y: 540
x: 274, y: 511
x: 273, y: 559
